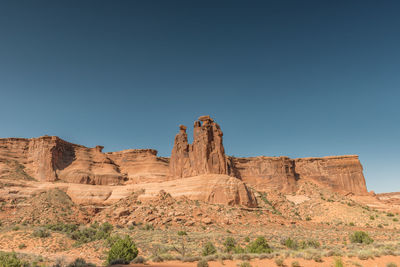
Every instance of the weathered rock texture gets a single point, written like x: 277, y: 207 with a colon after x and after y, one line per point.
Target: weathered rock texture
x: 265, y: 172
x: 50, y: 158
x: 343, y: 174
x: 205, y: 156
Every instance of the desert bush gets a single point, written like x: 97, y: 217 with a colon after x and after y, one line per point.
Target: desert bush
x: 190, y: 258
x: 259, y: 246
x: 365, y: 255
x: 202, y: 263
x: 290, y: 243
x: 317, y: 258
x: 182, y: 233
x: 280, y: 261
x: 62, y: 227
x: 79, y: 262
x: 11, y: 260
x: 139, y: 260
x: 157, y: 258
x: 41, y: 232
x: 338, y: 262
x: 244, y: 264
x: 91, y: 233
x: 229, y: 244
x: 295, y: 264
x: 123, y: 249
x: 21, y: 246
x: 148, y: 227
x: 302, y: 244
x: 391, y: 264
x: 209, y: 249
x: 361, y: 238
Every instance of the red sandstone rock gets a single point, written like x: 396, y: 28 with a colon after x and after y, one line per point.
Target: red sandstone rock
x: 206, y: 154
x: 265, y: 173
x: 343, y: 174
x: 51, y: 158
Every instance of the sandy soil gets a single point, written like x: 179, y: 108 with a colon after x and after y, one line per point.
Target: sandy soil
x: 377, y: 262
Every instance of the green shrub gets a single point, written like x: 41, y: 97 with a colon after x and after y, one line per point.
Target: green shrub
x: 41, y: 232
x: 309, y: 244
x: 245, y: 264
x: 290, y: 243
x: 238, y: 249
x: 303, y: 244
x: 11, y: 260
x: 351, y: 224
x: 91, y: 233
x: 79, y: 262
x: 123, y: 249
x: 361, y: 238
x: 295, y: 264
x: 391, y: 264
x: 230, y: 244
x: 202, y: 263
x: 338, y: 262
x: 62, y: 228
x: 209, y: 249
x: 182, y: 233
x: 390, y: 214
x: 21, y: 246
x: 259, y: 245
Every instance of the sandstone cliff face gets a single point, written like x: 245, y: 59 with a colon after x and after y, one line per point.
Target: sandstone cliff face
x: 205, y: 156
x: 265, y: 173
x: 140, y: 165
x: 50, y: 158
x: 343, y: 174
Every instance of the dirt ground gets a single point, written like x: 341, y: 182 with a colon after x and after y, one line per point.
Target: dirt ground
x: 377, y: 262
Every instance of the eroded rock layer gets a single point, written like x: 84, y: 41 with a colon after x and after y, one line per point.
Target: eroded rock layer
x: 49, y: 158
x: 265, y: 172
x: 343, y: 174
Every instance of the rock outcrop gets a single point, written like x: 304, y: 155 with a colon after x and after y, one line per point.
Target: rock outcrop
x: 265, y: 173
x: 343, y: 174
x: 50, y: 158
x: 216, y: 189
x: 205, y: 156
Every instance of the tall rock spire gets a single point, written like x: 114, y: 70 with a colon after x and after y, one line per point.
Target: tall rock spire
x: 206, y: 154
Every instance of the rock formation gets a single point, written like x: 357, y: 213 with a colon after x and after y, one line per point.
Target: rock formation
x: 265, y: 173
x: 205, y: 156
x: 343, y: 174
x: 49, y: 159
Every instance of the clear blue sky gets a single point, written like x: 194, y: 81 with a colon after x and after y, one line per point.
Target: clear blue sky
x: 294, y: 78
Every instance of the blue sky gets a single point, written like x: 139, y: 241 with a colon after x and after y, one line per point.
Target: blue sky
x: 294, y: 78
